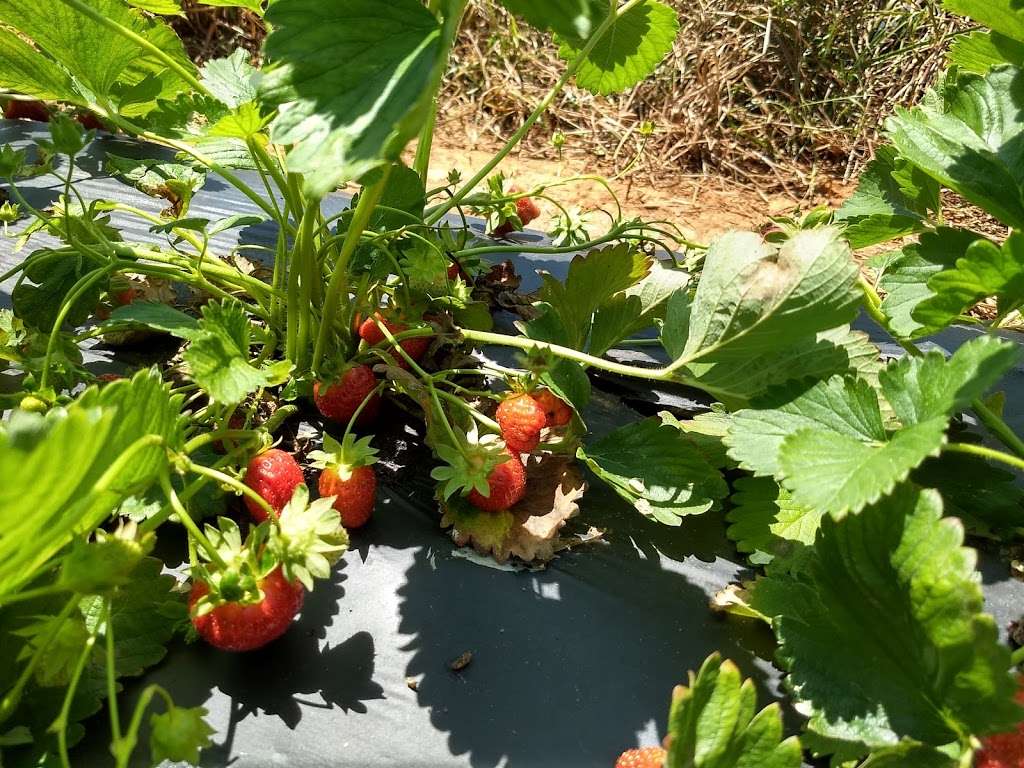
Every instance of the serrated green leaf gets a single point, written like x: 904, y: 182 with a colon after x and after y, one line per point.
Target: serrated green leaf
x: 984, y: 270
x: 840, y: 474
x: 754, y: 297
x: 1003, y: 16
x: 50, y: 280
x: 231, y: 80
x: 737, y: 382
x: 930, y: 386
x: 883, y: 633
x: 593, y: 279
x: 155, y: 315
x: 404, y: 192
x: 572, y: 19
x: 905, y: 281
x: 979, y: 51
x: 242, y: 123
x: 769, y: 526
x: 179, y: 734
x: 28, y: 71
x: 97, y: 56
x: 629, y: 51
x: 712, y: 724
x: 657, y: 469
x: 885, y: 207
x: 322, y: 78
x: 841, y: 405
x: 973, y: 146
x: 218, y: 356
x: 637, y: 308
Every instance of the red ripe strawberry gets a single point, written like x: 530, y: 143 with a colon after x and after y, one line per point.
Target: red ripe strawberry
x: 454, y: 270
x: 521, y: 419
x: 340, y: 400
x: 557, y: 412
x: 348, y: 476
x: 89, y: 121
x: 507, y: 483
x: 274, y: 475
x: 244, y: 627
x: 371, y: 333
x: 1003, y: 750
x: 647, y: 757
x: 354, y: 497
x: 526, y: 210
x: 26, y: 110
x: 107, y: 378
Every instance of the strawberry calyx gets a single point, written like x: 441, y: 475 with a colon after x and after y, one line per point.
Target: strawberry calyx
x: 466, y: 468
x: 241, y: 567
x: 308, y: 539
x: 344, y: 457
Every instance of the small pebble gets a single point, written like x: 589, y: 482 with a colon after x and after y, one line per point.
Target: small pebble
x: 462, y: 662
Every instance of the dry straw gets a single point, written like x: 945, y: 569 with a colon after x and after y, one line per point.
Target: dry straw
x: 769, y: 93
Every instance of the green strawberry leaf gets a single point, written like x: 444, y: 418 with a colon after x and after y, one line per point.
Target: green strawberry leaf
x: 218, y: 356
x: 58, y: 482
x: 636, y: 308
x: 28, y: 72
x: 841, y: 405
x: 630, y: 49
x: 179, y: 734
x: 155, y: 315
x: 737, y: 382
x: 1003, y: 16
x: 930, y: 386
x: 322, y: 75
x: 712, y: 724
x: 979, y: 51
x: 575, y: 20
x: 593, y: 279
x: 882, y: 631
x: 984, y: 270
x: 883, y: 208
x: 905, y: 281
x: 53, y: 278
x: 231, y: 80
x: 755, y: 297
x: 100, y: 60
x: 827, y: 470
x: 771, y: 528
x: 973, y: 145
x: 657, y: 469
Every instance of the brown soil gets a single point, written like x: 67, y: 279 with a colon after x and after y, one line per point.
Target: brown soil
x: 704, y: 206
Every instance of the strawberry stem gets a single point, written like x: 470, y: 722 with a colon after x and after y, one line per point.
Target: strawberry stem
x: 491, y: 424
x: 187, y: 521
x: 339, y: 277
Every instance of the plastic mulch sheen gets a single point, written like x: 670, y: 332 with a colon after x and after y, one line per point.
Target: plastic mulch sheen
x: 570, y: 665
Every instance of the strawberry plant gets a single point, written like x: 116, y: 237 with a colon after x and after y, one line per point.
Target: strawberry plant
x: 847, y: 478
